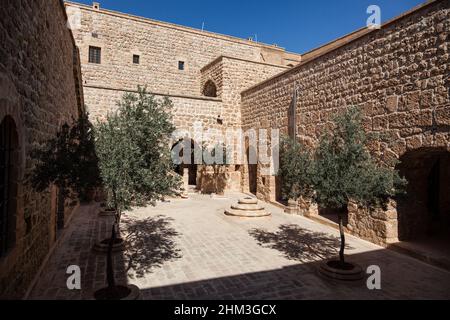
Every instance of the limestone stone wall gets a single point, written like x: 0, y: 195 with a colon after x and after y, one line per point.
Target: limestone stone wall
x: 233, y: 64
x: 160, y: 47
x: 213, y: 72
x: 186, y: 109
x: 240, y: 74
x: 232, y: 76
x: 40, y: 89
x: 398, y: 75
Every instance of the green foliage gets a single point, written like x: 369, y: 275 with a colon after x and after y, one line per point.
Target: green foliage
x: 85, y: 162
x: 345, y: 170
x: 133, y: 150
x: 68, y: 160
x: 296, y: 169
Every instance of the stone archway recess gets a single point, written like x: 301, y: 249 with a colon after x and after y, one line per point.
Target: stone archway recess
x: 424, y: 212
x: 187, y: 170
x: 210, y: 89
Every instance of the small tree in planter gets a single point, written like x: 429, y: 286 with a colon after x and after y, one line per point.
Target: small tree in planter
x: 296, y: 170
x: 135, y: 163
x: 68, y: 161
x: 345, y: 171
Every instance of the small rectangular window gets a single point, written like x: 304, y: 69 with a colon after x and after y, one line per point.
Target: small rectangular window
x: 95, y: 55
x: 136, y: 59
x: 180, y: 65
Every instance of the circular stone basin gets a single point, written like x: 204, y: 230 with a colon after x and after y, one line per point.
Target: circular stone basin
x: 248, y: 201
x: 247, y: 207
x: 332, y: 269
x: 247, y: 214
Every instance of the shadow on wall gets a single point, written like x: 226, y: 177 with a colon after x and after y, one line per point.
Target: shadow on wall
x: 297, y: 243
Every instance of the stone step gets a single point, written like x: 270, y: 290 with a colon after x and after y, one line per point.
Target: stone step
x: 247, y: 214
x: 247, y: 207
x: 248, y: 201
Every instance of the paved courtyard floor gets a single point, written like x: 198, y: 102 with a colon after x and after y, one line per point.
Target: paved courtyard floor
x: 188, y: 249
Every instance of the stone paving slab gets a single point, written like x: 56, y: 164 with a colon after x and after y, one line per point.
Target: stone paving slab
x: 188, y: 249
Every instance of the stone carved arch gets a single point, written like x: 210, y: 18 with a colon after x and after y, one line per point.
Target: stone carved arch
x: 210, y: 89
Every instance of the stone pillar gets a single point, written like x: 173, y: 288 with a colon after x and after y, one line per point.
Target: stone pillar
x: 272, y: 188
x: 186, y: 178
x: 292, y: 207
x: 234, y: 181
x: 377, y: 225
x: 307, y: 208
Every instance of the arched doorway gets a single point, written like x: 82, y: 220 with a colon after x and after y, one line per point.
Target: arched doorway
x: 184, y: 151
x: 424, y: 212
x: 9, y: 160
x: 210, y: 89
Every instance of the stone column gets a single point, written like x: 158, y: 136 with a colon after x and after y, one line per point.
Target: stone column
x: 292, y: 207
x: 272, y: 188
x: 186, y: 178
x: 378, y: 226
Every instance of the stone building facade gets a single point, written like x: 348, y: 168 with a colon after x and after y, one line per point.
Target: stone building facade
x: 40, y: 89
x: 399, y: 77
x: 173, y: 61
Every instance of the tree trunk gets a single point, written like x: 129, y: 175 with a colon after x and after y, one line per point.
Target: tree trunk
x: 216, y: 179
x: 60, y: 207
x: 109, y: 261
x: 118, y: 214
x: 341, y: 251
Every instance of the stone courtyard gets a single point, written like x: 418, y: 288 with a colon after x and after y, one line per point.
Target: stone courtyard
x: 188, y: 249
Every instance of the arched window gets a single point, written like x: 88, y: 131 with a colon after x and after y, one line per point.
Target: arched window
x: 8, y: 184
x: 210, y: 89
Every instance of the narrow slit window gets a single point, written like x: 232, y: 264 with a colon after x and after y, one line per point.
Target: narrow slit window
x: 180, y: 65
x: 136, y: 59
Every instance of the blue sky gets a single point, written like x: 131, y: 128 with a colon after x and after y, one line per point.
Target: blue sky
x: 298, y: 26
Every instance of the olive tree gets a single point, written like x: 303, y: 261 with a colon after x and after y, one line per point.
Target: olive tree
x: 133, y: 150
x: 346, y: 171
x: 296, y: 170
